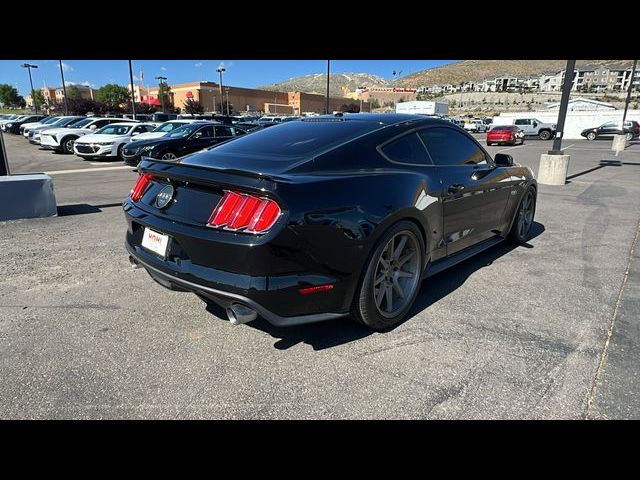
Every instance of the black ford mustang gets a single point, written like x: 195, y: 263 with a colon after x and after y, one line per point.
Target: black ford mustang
x: 325, y: 217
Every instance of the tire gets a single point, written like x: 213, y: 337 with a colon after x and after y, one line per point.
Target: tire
x: 523, y: 219
x: 591, y: 136
x: 374, y: 308
x: 168, y: 156
x: 67, y: 144
x: 629, y: 136
x: 119, y: 154
x: 489, y: 144
x: 544, y: 135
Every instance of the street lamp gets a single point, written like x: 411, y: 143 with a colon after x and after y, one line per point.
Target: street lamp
x: 29, y: 66
x: 226, y: 90
x: 160, y: 90
x: 326, y: 106
x: 64, y: 90
x: 220, y: 70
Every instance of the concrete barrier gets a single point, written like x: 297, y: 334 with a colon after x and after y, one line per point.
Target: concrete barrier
x: 27, y: 196
x: 553, y: 169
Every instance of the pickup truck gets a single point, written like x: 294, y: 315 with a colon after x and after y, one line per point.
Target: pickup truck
x: 534, y: 127
x: 476, y: 126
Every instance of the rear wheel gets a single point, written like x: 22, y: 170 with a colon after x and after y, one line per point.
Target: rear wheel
x: 544, y: 135
x: 168, y: 156
x: 591, y: 136
x: 392, y: 278
x: 524, y: 218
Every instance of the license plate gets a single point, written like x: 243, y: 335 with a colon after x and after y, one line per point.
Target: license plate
x: 154, y: 241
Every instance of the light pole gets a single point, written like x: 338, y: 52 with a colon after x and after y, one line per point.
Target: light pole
x: 133, y: 99
x: 326, y: 106
x: 29, y: 66
x: 161, y: 91
x: 220, y: 70
x: 64, y: 90
x: 226, y: 90
x: 626, y: 105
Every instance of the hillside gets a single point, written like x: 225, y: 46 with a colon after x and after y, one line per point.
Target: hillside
x: 339, y: 85
x: 478, y: 70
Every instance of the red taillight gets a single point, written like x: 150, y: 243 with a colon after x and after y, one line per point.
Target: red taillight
x: 316, y: 289
x: 241, y: 211
x: 141, y: 186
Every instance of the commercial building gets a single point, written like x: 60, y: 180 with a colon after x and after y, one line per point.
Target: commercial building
x: 387, y: 95
x: 243, y: 99
x: 56, y: 95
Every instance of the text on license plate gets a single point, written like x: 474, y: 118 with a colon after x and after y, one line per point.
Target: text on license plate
x: 154, y: 241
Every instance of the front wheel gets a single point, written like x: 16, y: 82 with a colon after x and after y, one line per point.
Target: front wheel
x: 168, y: 156
x: 629, y: 136
x: 524, y: 218
x: 591, y: 136
x: 545, y: 135
x: 392, y: 278
x: 67, y: 145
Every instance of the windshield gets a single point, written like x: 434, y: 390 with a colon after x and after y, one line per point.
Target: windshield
x: 183, y: 131
x: 69, y: 121
x: 50, y: 120
x: 115, y: 130
x: 168, y: 127
x: 82, y: 123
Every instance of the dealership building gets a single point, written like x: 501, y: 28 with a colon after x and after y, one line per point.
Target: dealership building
x: 243, y: 99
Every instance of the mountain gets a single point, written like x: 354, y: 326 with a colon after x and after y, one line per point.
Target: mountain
x: 478, y: 70
x: 339, y: 85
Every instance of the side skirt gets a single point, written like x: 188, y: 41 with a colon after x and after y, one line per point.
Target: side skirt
x: 461, y: 256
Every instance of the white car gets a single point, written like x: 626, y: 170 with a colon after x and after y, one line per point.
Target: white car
x: 62, y: 139
x: 109, y: 140
x: 53, y: 122
x: 163, y: 129
x: 476, y: 126
x: 45, y: 121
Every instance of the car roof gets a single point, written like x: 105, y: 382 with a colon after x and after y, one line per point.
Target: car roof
x: 128, y: 124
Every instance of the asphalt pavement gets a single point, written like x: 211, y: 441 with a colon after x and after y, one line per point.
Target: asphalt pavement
x: 546, y: 330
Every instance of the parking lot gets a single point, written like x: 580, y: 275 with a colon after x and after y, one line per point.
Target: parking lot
x: 547, y: 330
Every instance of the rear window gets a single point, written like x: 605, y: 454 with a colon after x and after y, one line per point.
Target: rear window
x: 502, y: 127
x: 296, y: 139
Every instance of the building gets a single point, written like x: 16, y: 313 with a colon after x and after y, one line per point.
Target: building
x: 582, y: 105
x: 242, y: 99
x: 388, y: 94
x: 592, y: 78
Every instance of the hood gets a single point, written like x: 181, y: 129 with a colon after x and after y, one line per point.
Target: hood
x: 99, y: 137
x: 149, y: 136
x: 63, y: 130
x: 31, y: 124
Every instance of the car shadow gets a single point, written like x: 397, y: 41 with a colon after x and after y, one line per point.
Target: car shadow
x: 338, y: 332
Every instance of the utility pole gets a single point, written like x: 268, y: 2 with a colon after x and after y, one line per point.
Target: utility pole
x: 29, y: 66
x: 626, y: 105
x: 220, y: 70
x: 133, y: 99
x: 64, y: 90
x: 161, y: 90
x: 226, y: 90
x: 326, y: 107
x: 564, y: 104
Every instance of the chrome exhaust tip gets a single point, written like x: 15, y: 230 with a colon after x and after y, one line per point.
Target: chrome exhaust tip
x: 239, y: 314
x: 134, y: 263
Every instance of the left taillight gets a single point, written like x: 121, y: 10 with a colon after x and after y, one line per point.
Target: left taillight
x: 141, y: 186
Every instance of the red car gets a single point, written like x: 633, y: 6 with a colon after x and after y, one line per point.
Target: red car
x: 505, y: 134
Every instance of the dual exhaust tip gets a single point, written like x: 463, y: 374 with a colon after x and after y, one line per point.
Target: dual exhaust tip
x: 237, y: 313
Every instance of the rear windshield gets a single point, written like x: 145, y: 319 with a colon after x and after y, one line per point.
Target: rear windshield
x: 503, y: 127
x: 296, y: 139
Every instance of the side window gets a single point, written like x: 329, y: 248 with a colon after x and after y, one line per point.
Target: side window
x: 140, y: 129
x: 101, y: 123
x: 407, y: 149
x: 224, y: 132
x: 522, y: 122
x: 204, y: 132
x: 450, y: 147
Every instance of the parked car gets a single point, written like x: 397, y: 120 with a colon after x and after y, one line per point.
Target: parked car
x: 56, y: 122
x: 475, y: 126
x: 164, y: 128
x: 181, y: 141
x: 270, y: 119
x: 608, y: 130
x: 109, y: 140
x: 14, y: 125
x: 10, y: 118
x: 534, y: 127
x: 62, y: 139
x: 44, y: 120
x: 505, y: 134
x: 282, y: 223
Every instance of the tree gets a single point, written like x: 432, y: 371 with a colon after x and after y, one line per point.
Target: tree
x: 9, y: 95
x: 193, y: 106
x: 164, y: 95
x: 350, y: 108
x: 38, y: 97
x: 73, y: 91
x: 145, y: 108
x: 113, y: 95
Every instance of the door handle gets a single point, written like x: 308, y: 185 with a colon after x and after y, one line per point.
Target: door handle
x: 455, y: 188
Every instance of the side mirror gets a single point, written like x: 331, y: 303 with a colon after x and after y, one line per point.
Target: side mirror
x: 503, y: 160
x: 92, y: 127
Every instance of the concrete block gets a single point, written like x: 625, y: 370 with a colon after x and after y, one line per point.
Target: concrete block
x: 553, y: 169
x: 619, y: 143
x: 27, y: 196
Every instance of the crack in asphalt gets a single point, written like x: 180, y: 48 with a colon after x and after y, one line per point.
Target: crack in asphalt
x: 603, y: 357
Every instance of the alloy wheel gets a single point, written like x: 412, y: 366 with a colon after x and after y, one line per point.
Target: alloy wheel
x: 168, y: 156
x: 525, y: 215
x: 397, y: 274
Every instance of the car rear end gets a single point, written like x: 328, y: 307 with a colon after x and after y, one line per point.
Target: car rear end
x: 502, y: 134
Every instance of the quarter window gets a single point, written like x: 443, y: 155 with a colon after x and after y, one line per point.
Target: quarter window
x: 407, y: 149
x: 449, y: 147
x: 223, y: 132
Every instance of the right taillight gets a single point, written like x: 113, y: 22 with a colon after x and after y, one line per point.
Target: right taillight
x: 241, y: 211
x: 141, y: 186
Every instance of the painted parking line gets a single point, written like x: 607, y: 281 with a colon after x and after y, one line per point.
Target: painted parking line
x: 510, y: 148
x: 87, y: 170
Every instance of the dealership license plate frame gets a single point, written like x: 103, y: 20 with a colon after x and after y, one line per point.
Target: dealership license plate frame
x: 160, y: 251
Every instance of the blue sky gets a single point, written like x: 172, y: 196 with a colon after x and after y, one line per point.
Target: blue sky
x: 241, y: 73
